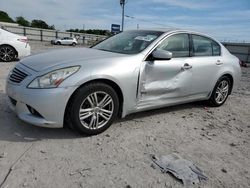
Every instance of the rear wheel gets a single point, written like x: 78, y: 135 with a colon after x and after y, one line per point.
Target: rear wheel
x: 7, y: 53
x: 58, y: 43
x: 220, y: 92
x: 93, y: 108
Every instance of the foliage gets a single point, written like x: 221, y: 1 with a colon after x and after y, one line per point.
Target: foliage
x: 4, y: 17
x: 41, y: 24
x: 92, y: 31
x: 22, y: 21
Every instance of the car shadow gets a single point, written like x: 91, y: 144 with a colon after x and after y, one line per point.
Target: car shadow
x: 164, y: 110
x: 14, y: 130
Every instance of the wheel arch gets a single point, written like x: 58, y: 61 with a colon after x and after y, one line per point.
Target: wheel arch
x: 231, y: 81
x: 229, y: 75
x: 111, y: 83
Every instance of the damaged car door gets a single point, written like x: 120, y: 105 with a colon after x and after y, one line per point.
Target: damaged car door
x: 166, y: 81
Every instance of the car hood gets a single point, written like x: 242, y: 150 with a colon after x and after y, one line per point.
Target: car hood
x: 70, y: 56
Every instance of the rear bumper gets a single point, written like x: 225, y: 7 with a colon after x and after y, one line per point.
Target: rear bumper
x: 24, y: 50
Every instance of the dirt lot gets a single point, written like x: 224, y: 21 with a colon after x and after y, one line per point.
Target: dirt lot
x: 216, y: 139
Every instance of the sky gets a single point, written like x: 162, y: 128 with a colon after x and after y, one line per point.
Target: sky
x: 226, y: 20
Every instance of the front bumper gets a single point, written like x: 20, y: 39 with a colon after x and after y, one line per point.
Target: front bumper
x: 49, y: 103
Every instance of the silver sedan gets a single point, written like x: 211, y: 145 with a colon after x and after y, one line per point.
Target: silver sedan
x: 87, y: 88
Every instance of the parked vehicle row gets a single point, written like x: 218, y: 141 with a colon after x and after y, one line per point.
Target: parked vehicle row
x: 13, y: 46
x: 87, y: 88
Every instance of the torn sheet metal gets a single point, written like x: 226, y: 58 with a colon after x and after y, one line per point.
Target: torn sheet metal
x: 181, y: 168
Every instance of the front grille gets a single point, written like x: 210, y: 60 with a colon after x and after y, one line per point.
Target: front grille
x: 17, y: 75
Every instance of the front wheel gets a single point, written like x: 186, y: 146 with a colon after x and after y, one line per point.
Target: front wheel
x: 93, y: 108
x: 220, y: 92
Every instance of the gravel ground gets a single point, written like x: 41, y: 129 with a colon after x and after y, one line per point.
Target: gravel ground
x: 216, y: 139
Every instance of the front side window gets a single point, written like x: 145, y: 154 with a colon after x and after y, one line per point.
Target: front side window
x: 178, y: 44
x: 129, y: 42
x: 203, y: 46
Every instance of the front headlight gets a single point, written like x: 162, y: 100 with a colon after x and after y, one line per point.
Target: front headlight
x: 54, y: 78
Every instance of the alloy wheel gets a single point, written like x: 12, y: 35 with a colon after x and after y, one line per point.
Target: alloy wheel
x: 222, y: 91
x: 96, y: 110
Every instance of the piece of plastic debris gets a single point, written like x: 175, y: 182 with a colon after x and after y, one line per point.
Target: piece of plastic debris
x: 182, y: 169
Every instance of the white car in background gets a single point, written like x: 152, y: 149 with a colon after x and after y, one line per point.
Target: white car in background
x: 13, y: 46
x: 65, y: 41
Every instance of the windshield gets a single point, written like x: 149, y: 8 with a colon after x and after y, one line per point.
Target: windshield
x: 129, y: 42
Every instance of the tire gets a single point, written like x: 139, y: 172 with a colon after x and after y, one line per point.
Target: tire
x: 7, y: 53
x: 220, y: 92
x: 58, y: 43
x: 73, y: 44
x: 88, y: 116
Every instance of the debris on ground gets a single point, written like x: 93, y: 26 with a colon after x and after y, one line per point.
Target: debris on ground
x: 233, y: 144
x: 17, y: 134
x: 2, y: 155
x: 79, y: 171
x: 29, y: 138
x: 224, y: 170
x: 182, y: 169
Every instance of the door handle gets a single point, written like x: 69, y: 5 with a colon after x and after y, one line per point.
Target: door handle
x: 218, y: 62
x: 186, y: 66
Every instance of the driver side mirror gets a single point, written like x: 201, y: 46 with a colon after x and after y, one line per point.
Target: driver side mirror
x: 162, y: 55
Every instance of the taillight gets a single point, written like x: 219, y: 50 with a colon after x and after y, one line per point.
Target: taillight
x: 25, y: 40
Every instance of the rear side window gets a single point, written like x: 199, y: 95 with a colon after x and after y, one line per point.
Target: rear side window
x: 177, y: 44
x: 203, y: 46
x: 216, y: 48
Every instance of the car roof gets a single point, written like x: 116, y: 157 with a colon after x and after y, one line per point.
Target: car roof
x: 171, y: 30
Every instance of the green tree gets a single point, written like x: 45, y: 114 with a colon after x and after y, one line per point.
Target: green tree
x: 4, y: 17
x: 52, y: 27
x: 41, y: 24
x: 92, y: 31
x: 22, y: 21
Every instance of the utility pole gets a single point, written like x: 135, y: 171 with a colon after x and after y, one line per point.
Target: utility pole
x: 122, y: 3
